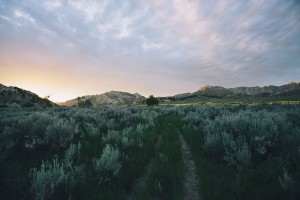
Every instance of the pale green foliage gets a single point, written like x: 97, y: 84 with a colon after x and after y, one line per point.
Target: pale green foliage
x: 237, y: 151
x: 75, y: 174
x: 52, y: 131
x: 125, y: 137
x: 198, y: 117
x: 114, y: 119
x: 195, y: 120
x: 230, y: 134
x: 212, y: 142
x: 52, y: 176
x: 60, y: 133
x: 112, y: 137
x: 126, y: 140
x: 71, y: 154
x: 108, y: 165
x: 46, y: 180
x: 39, y: 122
x: 237, y: 135
x: 91, y: 129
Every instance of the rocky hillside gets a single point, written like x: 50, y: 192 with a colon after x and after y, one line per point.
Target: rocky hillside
x: 270, y: 90
x: 292, y: 88
x: 213, y: 91
x: 108, y: 98
x: 17, y: 97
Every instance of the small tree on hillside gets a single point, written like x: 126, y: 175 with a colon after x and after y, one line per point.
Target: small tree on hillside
x: 152, y: 101
x: 85, y: 103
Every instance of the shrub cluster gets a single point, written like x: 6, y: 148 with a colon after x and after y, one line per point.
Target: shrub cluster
x: 248, y: 138
x: 112, y: 143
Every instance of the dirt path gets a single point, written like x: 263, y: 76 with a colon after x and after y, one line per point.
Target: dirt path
x: 191, y: 184
x: 141, y: 180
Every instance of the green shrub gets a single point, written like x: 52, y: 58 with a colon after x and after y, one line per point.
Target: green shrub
x: 108, y: 165
x: 47, y: 180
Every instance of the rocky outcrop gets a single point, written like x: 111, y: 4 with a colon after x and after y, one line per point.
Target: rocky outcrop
x: 108, y: 98
x: 213, y: 91
x: 292, y: 88
x: 271, y: 89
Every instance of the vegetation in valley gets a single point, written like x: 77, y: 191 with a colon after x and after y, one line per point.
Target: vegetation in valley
x: 73, y: 153
x: 234, y: 100
x: 245, y: 152
x: 240, y: 151
x: 165, y: 180
x: 152, y: 101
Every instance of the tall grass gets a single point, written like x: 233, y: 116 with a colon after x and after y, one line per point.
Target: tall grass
x: 165, y: 180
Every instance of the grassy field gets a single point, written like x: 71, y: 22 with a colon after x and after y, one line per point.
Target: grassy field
x: 203, y: 100
x: 240, y: 151
x: 165, y: 179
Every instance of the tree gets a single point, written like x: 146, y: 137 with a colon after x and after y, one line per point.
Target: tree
x: 151, y: 101
x: 85, y: 103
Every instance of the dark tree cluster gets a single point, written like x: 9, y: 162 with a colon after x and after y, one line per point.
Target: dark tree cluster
x: 152, y: 101
x: 85, y: 103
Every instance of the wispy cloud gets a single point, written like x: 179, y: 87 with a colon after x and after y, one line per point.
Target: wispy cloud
x: 182, y: 44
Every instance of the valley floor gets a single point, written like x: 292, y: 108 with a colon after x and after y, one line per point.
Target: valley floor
x: 191, y: 152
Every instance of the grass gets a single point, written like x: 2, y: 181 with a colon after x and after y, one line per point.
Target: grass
x: 165, y: 180
x: 213, y: 178
x: 259, y: 180
x: 132, y: 166
x: 218, y: 181
x: 210, y: 101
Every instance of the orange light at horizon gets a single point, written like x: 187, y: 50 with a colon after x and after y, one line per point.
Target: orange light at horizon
x: 57, y: 98
x: 41, y: 83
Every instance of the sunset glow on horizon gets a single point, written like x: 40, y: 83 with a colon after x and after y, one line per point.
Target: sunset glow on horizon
x: 71, y: 48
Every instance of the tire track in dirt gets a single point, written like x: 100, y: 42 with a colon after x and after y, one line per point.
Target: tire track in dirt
x: 191, y: 183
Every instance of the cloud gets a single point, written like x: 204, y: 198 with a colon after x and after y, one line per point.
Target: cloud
x: 183, y: 42
x: 22, y: 14
x: 90, y: 8
x: 52, y: 4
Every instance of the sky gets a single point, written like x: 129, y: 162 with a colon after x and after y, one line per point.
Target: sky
x: 71, y: 48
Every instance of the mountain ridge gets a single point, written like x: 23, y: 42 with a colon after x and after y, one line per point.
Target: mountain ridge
x: 11, y: 96
x: 219, y: 91
x: 16, y: 97
x: 107, y: 98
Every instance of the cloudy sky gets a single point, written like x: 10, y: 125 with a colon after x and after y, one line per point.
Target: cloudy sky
x: 70, y: 48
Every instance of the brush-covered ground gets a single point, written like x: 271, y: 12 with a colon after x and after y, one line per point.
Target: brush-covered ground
x: 234, y: 100
x: 167, y: 152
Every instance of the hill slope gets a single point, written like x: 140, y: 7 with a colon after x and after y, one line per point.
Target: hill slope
x: 290, y: 89
x: 17, y: 97
x: 107, y: 98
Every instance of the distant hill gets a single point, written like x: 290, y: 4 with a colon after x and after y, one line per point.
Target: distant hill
x: 17, y: 97
x: 107, y: 98
x: 292, y: 88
